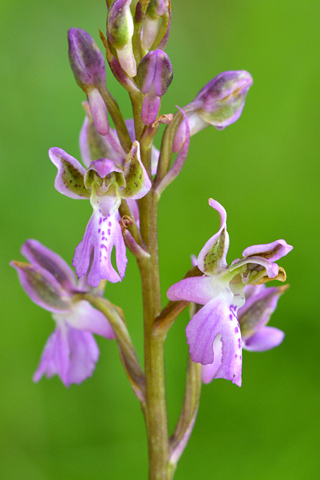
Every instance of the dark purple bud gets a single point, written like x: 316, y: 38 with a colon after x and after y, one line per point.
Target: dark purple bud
x: 86, y: 60
x: 155, y: 75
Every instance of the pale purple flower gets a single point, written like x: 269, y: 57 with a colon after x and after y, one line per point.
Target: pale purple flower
x: 155, y: 74
x: 219, y: 103
x: 89, y: 69
x: 221, y: 291
x: 71, y: 351
x: 104, y: 182
x: 253, y: 317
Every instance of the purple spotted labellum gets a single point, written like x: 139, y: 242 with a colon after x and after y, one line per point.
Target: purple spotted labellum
x: 71, y: 351
x: 221, y: 291
x: 219, y: 103
x: 104, y: 183
x: 253, y: 316
x: 155, y: 74
x: 89, y: 69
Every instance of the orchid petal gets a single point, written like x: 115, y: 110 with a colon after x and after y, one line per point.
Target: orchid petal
x: 41, y: 256
x: 138, y: 183
x: 271, y: 268
x: 55, y: 358
x: 93, y: 254
x: 94, y: 146
x: 271, y: 251
x: 217, y: 317
x: 194, y: 289
x: 41, y: 286
x: 85, y: 317
x: 257, y: 310
x: 213, y: 255
x: 265, y: 339
x: 70, y: 177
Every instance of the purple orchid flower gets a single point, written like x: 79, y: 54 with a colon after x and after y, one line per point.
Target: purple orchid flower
x: 221, y: 291
x: 155, y: 74
x: 253, y: 316
x: 71, y: 351
x: 104, y: 183
x: 219, y: 103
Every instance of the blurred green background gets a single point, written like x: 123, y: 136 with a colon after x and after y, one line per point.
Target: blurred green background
x: 264, y: 170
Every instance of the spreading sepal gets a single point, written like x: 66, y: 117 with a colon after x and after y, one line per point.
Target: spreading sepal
x: 71, y: 351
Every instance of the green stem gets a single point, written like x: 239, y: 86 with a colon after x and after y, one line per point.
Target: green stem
x: 156, y: 410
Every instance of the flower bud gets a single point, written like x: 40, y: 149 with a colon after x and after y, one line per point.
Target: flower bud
x: 86, y: 60
x: 219, y: 103
x: 88, y: 66
x: 156, y: 9
x: 155, y: 75
x: 120, y: 31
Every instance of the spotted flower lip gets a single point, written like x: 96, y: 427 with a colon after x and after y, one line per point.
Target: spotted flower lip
x: 253, y: 316
x: 104, y: 182
x: 71, y: 351
x: 221, y: 290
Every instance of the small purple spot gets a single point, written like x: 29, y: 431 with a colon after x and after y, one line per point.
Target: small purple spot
x: 235, y: 356
x: 236, y: 330
x: 99, y: 230
x: 240, y: 357
x: 103, y: 246
x: 100, y: 220
x: 102, y: 233
x: 239, y: 342
x: 230, y: 317
x: 109, y: 224
x: 105, y: 258
x: 109, y: 231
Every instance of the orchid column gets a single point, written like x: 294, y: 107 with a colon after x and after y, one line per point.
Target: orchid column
x: 123, y: 176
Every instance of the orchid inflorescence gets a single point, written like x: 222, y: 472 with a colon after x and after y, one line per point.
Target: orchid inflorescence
x: 123, y: 175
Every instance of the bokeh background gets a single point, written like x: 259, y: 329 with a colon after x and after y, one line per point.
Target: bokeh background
x: 265, y: 171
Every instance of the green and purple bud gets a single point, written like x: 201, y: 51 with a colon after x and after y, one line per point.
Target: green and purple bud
x: 89, y: 69
x: 155, y: 74
x: 156, y: 10
x: 120, y: 29
x: 219, y: 103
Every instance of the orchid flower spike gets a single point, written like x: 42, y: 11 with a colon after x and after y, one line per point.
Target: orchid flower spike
x: 253, y: 316
x: 89, y: 69
x: 221, y: 291
x: 156, y: 10
x: 104, y: 183
x: 71, y: 351
x: 155, y: 74
x: 219, y: 103
x: 120, y: 29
